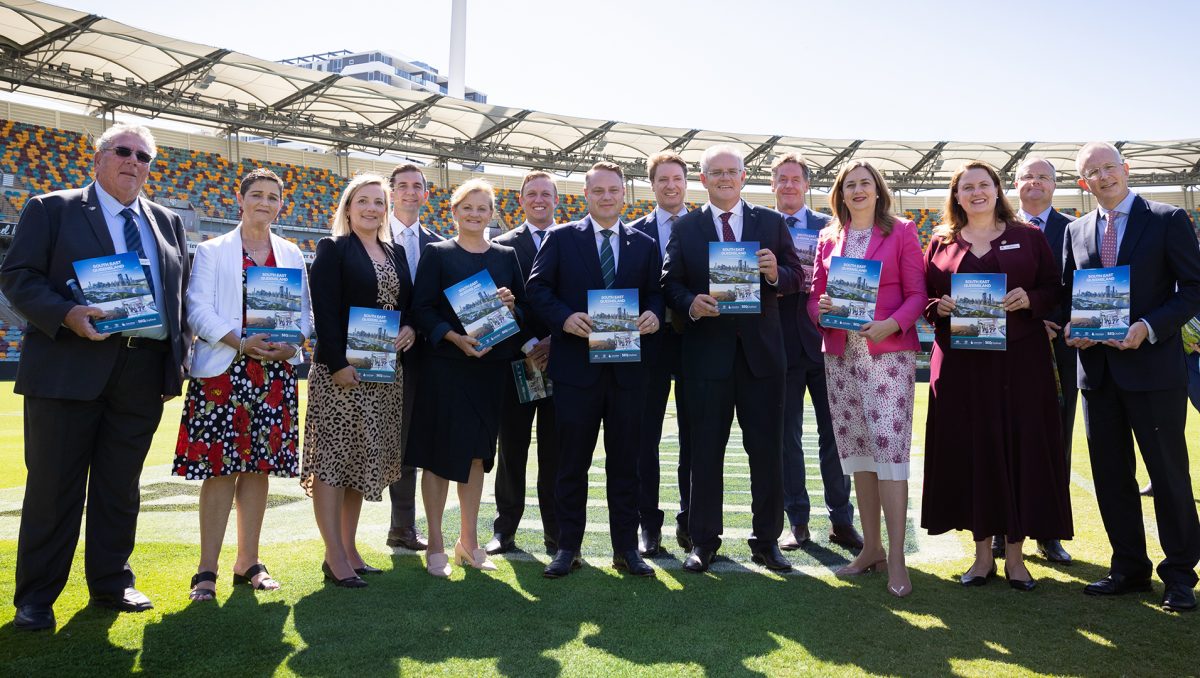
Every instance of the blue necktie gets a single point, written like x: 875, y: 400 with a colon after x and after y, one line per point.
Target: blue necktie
x: 133, y: 242
x: 1036, y: 221
x: 791, y: 222
x: 608, y: 265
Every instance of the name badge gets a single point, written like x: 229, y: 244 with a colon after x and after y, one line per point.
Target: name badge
x: 1014, y: 246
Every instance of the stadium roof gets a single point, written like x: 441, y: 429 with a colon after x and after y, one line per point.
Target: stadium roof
x: 109, y: 66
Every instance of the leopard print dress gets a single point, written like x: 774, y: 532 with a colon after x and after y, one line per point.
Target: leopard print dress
x: 352, y: 436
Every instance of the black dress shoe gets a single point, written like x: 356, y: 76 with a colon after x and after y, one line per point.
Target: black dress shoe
x: 1116, y: 584
x: 34, y: 618
x: 500, y: 543
x: 795, y: 538
x: 998, y: 546
x: 367, y: 569
x: 1020, y: 584
x: 768, y: 556
x: 1177, y: 598
x: 846, y: 536
x: 565, y: 562
x: 682, y: 537
x: 129, y: 600
x: 650, y: 543
x: 632, y: 563
x: 355, y: 582
x: 969, y: 579
x: 407, y: 537
x: 699, y: 559
x: 1052, y: 550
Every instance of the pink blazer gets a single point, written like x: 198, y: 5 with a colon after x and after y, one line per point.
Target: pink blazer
x: 902, y: 294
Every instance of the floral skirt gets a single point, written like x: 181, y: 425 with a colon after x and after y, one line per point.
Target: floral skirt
x: 242, y: 421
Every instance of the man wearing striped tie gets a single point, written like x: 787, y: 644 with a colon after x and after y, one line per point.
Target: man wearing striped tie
x: 1136, y: 387
x: 92, y: 400
x: 596, y: 253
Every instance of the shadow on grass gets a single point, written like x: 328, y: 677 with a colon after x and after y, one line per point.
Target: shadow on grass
x: 25, y: 652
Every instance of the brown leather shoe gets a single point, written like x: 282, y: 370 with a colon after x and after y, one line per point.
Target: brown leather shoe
x: 795, y: 538
x: 407, y: 537
x: 847, y: 536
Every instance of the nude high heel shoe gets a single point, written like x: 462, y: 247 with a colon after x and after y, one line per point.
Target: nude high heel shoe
x: 477, y: 559
x: 438, y: 564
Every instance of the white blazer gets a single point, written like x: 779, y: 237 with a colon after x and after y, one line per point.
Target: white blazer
x: 215, y: 293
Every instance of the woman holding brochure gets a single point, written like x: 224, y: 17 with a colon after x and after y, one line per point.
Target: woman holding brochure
x: 240, y: 422
x: 993, y: 456
x: 457, y: 416
x: 871, y: 372
x: 352, y: 431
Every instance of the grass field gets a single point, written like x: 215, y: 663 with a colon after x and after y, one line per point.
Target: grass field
x: 736, y: 620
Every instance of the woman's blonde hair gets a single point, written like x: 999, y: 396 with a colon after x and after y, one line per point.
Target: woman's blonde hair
x: 341, y: 218
x: 470, y: 186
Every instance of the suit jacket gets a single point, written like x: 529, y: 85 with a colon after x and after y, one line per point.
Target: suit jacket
x: 567, y: 266
x: 342, y: 275
x: 55, y: 230
x: 801, y: 336
x: 1164, y: 286
x: 1065, y: 356
x: 902, y: 295
x: 709, y: 344
x: 521, y: 240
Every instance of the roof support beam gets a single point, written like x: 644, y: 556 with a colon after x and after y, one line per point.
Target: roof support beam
x: 61, y: 33
x: 682, y: 141
x: 588, y: 138
x: 841, y: 156
x: 315, y: 88
x: 501, y: 126
x: 207, y: 61
x: 763, y: 149
x: 415, y: 109
x: 929, y: 157
x: 1015, y: 161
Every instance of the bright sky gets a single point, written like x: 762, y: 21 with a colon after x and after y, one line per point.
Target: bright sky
x: 922, y: 70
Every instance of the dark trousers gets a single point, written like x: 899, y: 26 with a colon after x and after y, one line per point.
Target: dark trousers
x: 1193, y: 365
x: 1113, y: 417
x: 758, y: 403
x: 580, y: 411
x: 1065, y: 359
x: 94, y: 449
x: 516, y: 432
x: 403, y: 492
x: 658, y: 391
x: 811, y: 377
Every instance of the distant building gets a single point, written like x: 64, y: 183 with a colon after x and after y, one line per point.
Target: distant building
x: 383, y: 67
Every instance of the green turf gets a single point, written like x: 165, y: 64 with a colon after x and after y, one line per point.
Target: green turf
x: 737, y: 620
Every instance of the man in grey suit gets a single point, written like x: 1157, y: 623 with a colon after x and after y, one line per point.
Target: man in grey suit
x: 92, y: 400
x: 410, y: 193
x: 806, y: 372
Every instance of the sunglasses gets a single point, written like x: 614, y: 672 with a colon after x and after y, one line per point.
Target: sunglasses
x: 125, y: 151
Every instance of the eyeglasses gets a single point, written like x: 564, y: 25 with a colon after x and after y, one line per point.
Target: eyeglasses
x: 1044, y: 178
x: 1093, y: 173
x: 125, y: 151
x: 723, y: 174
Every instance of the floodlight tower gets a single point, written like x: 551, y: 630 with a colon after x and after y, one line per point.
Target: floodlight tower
x: 458, y: 49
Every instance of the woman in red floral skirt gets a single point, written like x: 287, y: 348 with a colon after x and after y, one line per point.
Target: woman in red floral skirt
x: 240, y: 422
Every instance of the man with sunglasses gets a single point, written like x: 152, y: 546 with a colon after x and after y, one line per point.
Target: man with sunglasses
x: 92, y: 400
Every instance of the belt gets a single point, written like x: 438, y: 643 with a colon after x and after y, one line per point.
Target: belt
x: 157, y: 345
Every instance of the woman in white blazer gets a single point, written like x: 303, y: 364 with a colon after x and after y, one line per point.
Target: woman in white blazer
x: 240, y: 422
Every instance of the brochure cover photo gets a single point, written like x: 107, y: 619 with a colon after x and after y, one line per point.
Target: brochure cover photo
x: 854, y: 287
x: 273, y: 303
x: 805, y: 242
x: 371, y: 343
x: 733, y: 278
x: 480, y: 310
x: 979, y: 320
x: 532, y: 384
x: 614, y: 337
x: 118, y: 286
x: 1100, y: 303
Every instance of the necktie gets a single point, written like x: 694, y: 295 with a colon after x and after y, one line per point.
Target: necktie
x: 1108, y: 245
x: 133, y: 241
x: 537, y: 238
x: 1036, y: 221
x: 412, y: 251
x: 791, y: 222
x: 726, y: 229
x: 608, y: 265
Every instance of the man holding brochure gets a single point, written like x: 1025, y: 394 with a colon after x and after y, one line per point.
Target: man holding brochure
x: 597, y: 257
x: 732, y: 362
x: 92, y: 400
x: 1136, y: 386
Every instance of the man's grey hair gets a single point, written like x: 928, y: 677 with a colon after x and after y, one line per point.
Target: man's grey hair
x: 1091, y: 146
x: 105, y: 140
x: 1032, y: 159
x: 721, y: 149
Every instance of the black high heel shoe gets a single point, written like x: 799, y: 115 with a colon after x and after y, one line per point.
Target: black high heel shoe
x: 969, y: 579
x: 1020, y: 584
x: 355, y: 582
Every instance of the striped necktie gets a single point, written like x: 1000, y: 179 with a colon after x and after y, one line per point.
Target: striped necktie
x: 133, y: 242
x: 608, y: 264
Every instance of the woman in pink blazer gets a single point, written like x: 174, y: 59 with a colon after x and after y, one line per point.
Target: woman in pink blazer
x: 871, y: 372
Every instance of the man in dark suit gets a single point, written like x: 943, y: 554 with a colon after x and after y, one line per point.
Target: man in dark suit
x: 1035, y: 183
x: 806, y: 372
x: 668, y: 179
x: 410, y: 193
x: 539, y: 200
x: 1137, y: 386
x: 92, y: 401
x: 732, y: 362
x: 596, y: 253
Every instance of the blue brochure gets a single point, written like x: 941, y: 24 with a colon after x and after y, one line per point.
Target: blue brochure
x: 733, y: 277
x: 614, y: 337
x: 1100, y: 303
x: 118, y: 286
x: 480, y: 311
x: 854, y: 287
x: 371, y: 343
x: 979, y: 320
x: 804, y: 240
x: 273, y: 303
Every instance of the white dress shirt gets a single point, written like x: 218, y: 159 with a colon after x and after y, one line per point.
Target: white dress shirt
x: 663, y: 219
x: 735, y: 220
x: 614, y: 240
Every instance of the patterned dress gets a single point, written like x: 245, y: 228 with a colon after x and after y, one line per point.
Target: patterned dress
x: 242, y: 421
x: 352, y: 436
x: 871, y: 398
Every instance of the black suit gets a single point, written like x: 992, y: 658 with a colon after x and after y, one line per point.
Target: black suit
x: 659, y: 376
x: 1142, y: 392
x: 91, y: 408
x: 403, y: 492
x: 1065, y: 357
x: 733, y: 362
x: 587, y: 394
x: 516, y: 425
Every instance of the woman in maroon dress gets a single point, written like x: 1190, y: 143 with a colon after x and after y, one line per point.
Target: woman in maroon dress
x: 993, y: 461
